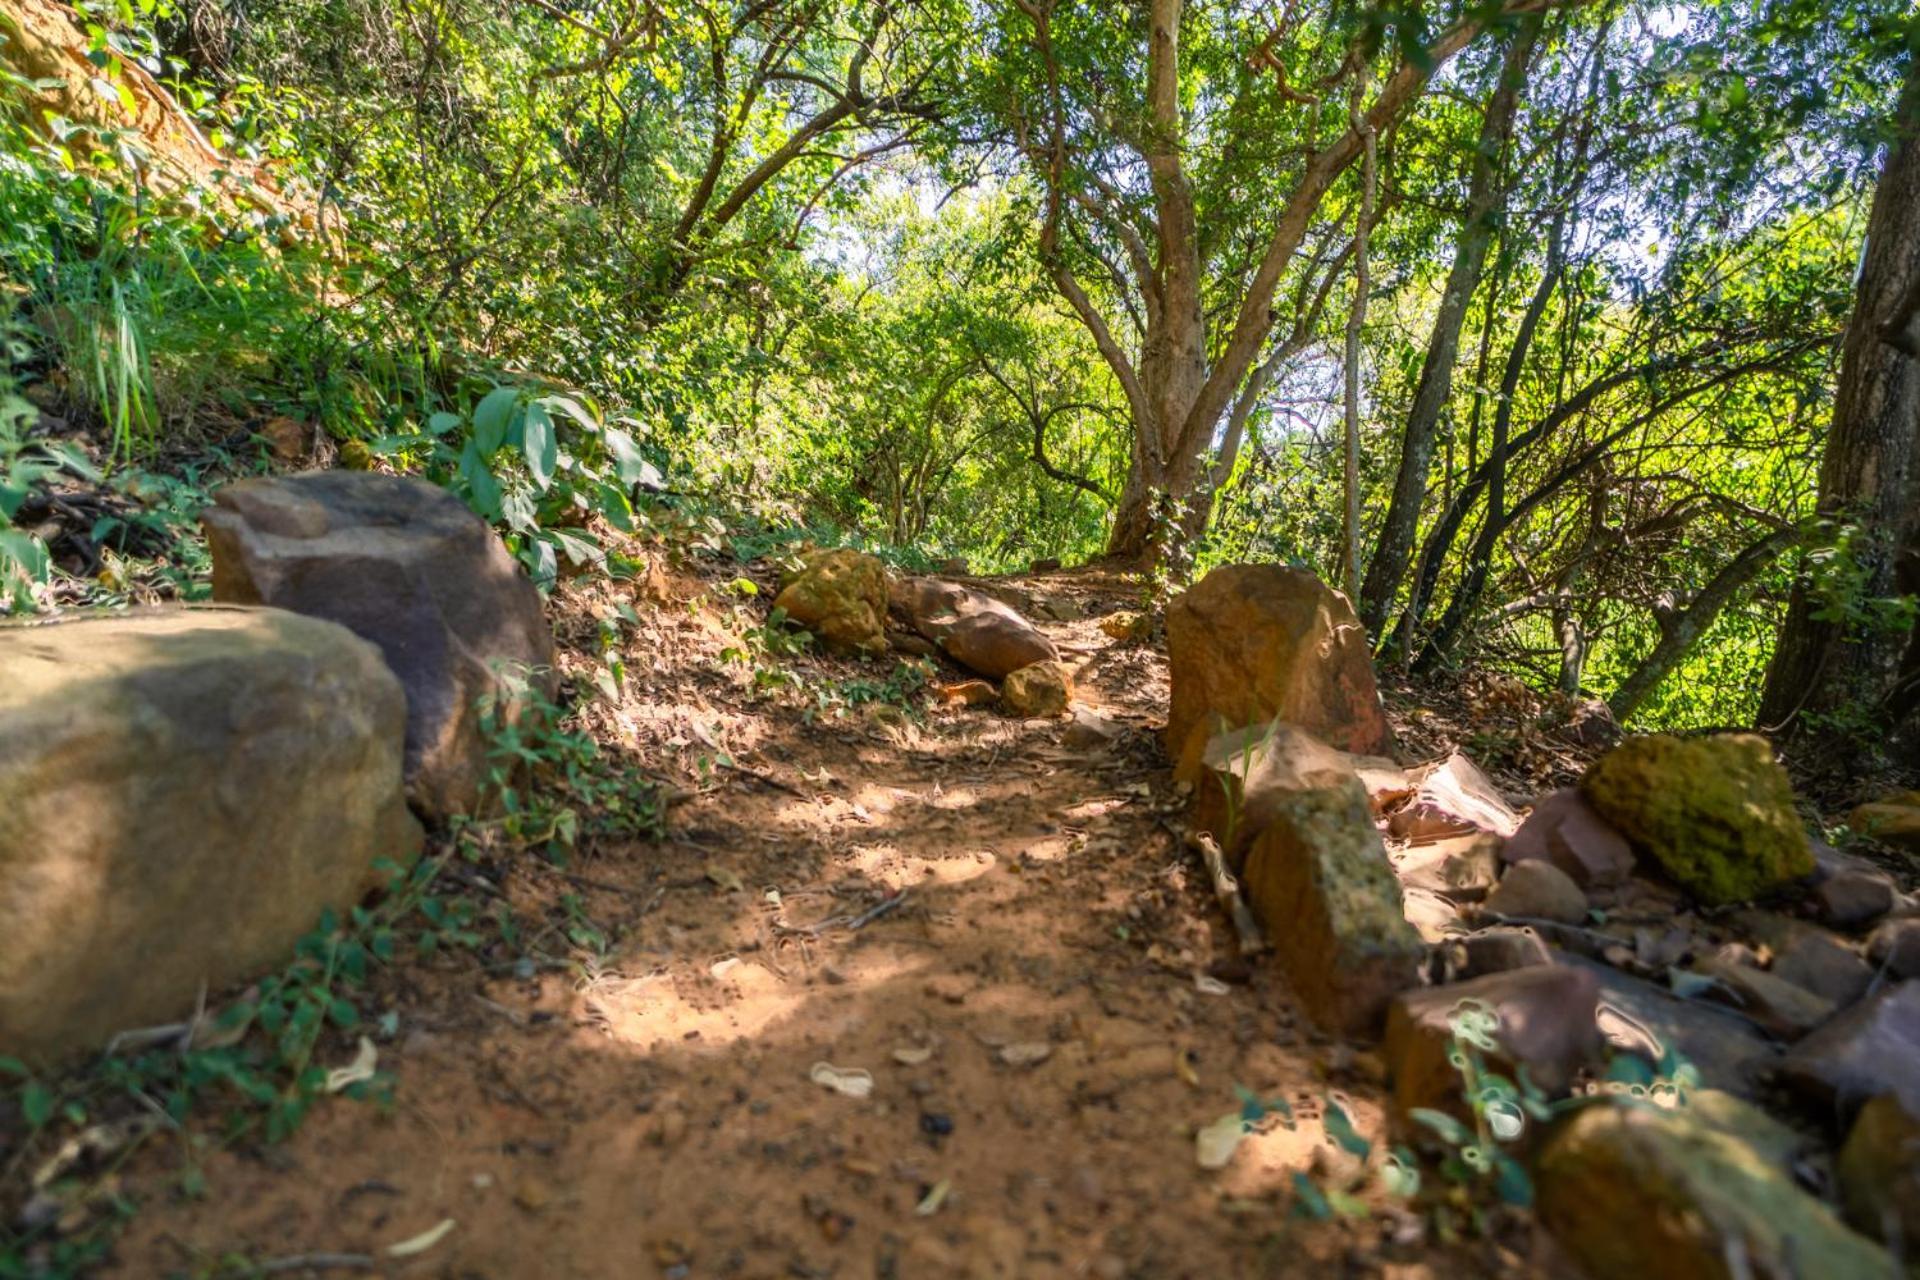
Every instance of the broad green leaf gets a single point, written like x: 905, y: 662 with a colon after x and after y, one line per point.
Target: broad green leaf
x: 542, y: 449
x: 491, y: 418
x: 483, y: 491
x: 628, y: 460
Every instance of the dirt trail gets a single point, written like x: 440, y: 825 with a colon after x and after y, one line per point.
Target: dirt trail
x: 655, y: 1117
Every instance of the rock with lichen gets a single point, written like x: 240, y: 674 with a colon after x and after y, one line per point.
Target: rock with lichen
x: 841, y: 596
x: 1714, y: 813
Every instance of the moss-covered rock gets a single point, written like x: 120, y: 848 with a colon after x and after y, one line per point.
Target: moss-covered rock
x: 1038, y: 689
x: 1714, y: 813
x: 1634, y: 1190
x: 841, y: 596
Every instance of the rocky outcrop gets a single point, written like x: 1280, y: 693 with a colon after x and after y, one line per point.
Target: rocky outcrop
x: 1040, y: 689
x: 1715, y: 813
x: 975, y: 630
x: 1635, y: 1190
x: 841, y: 596
x: 1894, y: 948
x: 1319, y: 880
x: 404, y: 564
x: 181, y: 794
x: 1253, y: 643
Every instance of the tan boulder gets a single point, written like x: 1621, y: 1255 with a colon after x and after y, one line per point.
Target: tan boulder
x: 1635, y: 1190
x: 1538, y: 891
x: 1715, y: 813
x: 405, y: 564
x: 975, y: 630
x: 1253, y: 643
x: 1039, y: 689
x: 841, y: 596
x: 181, y: 794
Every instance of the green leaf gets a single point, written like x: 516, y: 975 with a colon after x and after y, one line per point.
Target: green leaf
x: 628, y: 460
x: 1341, y: 1130
x: 36, y: 1103
x: 492, y: 416
x: 441, y: 423
x: 571, y: 407
x: 1511, y: 1182
x: 483, y: 491
x: 1448, y: 1129
x: 541, y: 446
x: 1308, y: 1200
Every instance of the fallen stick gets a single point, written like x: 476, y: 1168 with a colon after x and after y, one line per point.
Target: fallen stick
x: 1227, y: 889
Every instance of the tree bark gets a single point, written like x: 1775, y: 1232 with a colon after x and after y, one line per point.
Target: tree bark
x: 1681, y: 632
x: 1825, y: 665
x: 1388, y: 568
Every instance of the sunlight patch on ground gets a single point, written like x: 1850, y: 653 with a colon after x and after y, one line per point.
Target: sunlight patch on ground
x: 886, y: 864
x: 737, y: 999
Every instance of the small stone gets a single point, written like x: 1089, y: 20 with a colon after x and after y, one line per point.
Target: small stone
x: 1539, y: 891
x: 1775, y: 1005
x: 532, y: 1195
x: 1894, y: 947
x: 1453, y: 798
x: 1824, y: 965
x: 1038, y: 689
x: 1894, y: 820
x: 1502, y: 949
x: 1854, y: 899
x: 1564, y: 829
x: 967, y: 693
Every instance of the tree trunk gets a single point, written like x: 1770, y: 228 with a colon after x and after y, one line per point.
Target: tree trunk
x: 1826, y: 665
x: 1681, y: 632
x: 1388, y: 568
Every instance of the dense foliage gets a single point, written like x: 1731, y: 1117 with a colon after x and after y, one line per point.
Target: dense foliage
x: 1023, y: 279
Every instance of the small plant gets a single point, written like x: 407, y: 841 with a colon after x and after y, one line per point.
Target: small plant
x: 548, y: 784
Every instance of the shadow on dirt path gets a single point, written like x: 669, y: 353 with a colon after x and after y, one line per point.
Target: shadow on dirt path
x: 984, y: 914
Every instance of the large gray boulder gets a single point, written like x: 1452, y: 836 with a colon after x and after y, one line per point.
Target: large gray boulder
x: 181, y: 794
x: 405, y: 564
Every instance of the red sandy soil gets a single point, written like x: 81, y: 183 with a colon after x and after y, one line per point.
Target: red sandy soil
x: 650, y: 1113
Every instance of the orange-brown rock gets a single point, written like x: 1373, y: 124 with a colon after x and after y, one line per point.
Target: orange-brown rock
x: 975, y: 630
x: 1318, y: 878
x: 1253, y: 643
x: 1038, y: 689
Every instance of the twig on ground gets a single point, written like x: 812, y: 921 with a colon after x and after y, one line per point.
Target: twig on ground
x: 1226, y: 888
x: 851, y: 923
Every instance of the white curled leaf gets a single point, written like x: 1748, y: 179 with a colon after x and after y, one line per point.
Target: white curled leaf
x: 361, y: 1068
x: 1026, y: 1053
x: 850, y: 1082
x: 1213, y: 1146
x: 914, y: 1056
x: 421, y: 1243
x: 930, y: 1205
